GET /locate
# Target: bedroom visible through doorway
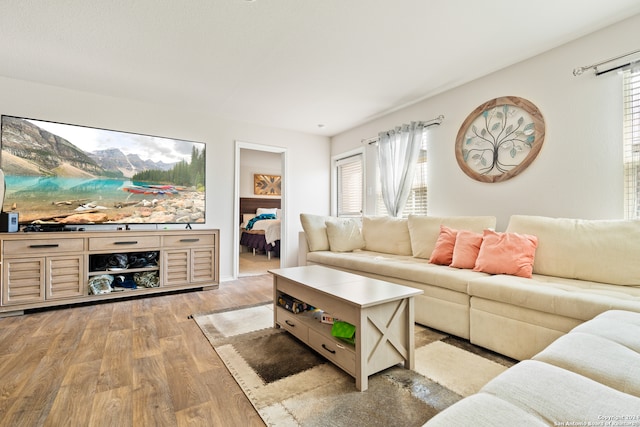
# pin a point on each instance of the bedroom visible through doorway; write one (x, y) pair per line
(259, 201)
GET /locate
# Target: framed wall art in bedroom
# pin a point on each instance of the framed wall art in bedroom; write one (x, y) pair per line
(267, 185)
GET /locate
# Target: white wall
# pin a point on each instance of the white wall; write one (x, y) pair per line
(257, 162)
(579, 171)
(308, 187)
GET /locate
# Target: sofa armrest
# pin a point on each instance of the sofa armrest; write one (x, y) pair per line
(303, 248)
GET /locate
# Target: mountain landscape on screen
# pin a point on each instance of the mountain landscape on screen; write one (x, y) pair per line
(67, 174)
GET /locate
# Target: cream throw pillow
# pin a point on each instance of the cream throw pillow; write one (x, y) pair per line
(387, 235)
(344, 235)
(424, 230)
(315, 231)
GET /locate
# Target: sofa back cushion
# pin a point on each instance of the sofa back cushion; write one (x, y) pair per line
(606, 251)
(387, 235)
(424, 230)
(315, 230)
(344, 234)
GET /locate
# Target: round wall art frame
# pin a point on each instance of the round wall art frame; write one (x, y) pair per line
(500, 139)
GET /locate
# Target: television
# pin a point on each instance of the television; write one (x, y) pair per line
(60, 174)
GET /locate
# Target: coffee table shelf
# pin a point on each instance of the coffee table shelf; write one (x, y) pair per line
(318, 336)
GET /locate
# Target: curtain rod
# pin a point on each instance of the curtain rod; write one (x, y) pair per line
(428, 123)
(579, 70)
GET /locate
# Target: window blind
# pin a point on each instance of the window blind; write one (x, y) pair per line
(350, 186)
(631, 137)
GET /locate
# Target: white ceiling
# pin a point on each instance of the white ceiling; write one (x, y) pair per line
(291, 64)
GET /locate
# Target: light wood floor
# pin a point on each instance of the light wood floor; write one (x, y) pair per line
(141, 362)
(251, 265)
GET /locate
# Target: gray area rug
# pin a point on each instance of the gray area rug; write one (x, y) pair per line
(291, 385)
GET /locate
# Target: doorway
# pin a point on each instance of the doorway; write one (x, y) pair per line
(256, 253)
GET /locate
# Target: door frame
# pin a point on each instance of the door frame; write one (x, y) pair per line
(284, 168)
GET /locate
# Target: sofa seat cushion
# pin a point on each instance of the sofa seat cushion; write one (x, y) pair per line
(577, 299)
(598, 358)
(559, 395)
(483, 409)
(538, 391)
(622, 327)
(398, 266)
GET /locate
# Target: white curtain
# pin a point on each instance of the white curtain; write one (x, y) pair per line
(398, 151)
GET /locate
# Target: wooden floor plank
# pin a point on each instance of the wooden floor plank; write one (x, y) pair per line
(16, 337)
(112, 408)
(92, 343)
(200, 348)
(34, 403)
(145, 337)
(71, 333)
(206, 414)
(152, 405)
(165, 321)
(75, 395)
(52, 323)
(182, 374)
(116, 371)
(141, 306)
(19, 367)
(120, 317)
(229, 399)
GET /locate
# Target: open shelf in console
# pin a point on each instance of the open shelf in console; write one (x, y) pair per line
(117, 263)
(123, 271)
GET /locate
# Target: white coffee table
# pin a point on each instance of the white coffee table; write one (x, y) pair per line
(382, 312)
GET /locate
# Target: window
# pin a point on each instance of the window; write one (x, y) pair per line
(356, 171)
(349, 184)
(417, 200)
(631, 135)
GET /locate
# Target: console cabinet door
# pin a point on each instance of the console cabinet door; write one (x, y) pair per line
(184, 266)
(176, 264)
(65, 277)
(23, 280)
(203, 265)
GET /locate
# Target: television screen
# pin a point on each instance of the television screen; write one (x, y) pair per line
(67, 174)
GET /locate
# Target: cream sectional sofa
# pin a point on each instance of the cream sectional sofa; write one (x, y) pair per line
(581, 268)
(588, 377)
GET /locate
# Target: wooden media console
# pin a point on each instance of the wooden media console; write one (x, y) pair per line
(44, 269)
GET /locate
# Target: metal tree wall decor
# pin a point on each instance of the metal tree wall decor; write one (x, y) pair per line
(499, 139)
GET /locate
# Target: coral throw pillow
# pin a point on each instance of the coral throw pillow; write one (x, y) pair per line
(443, 250)
(507, 253)
(466, 249)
